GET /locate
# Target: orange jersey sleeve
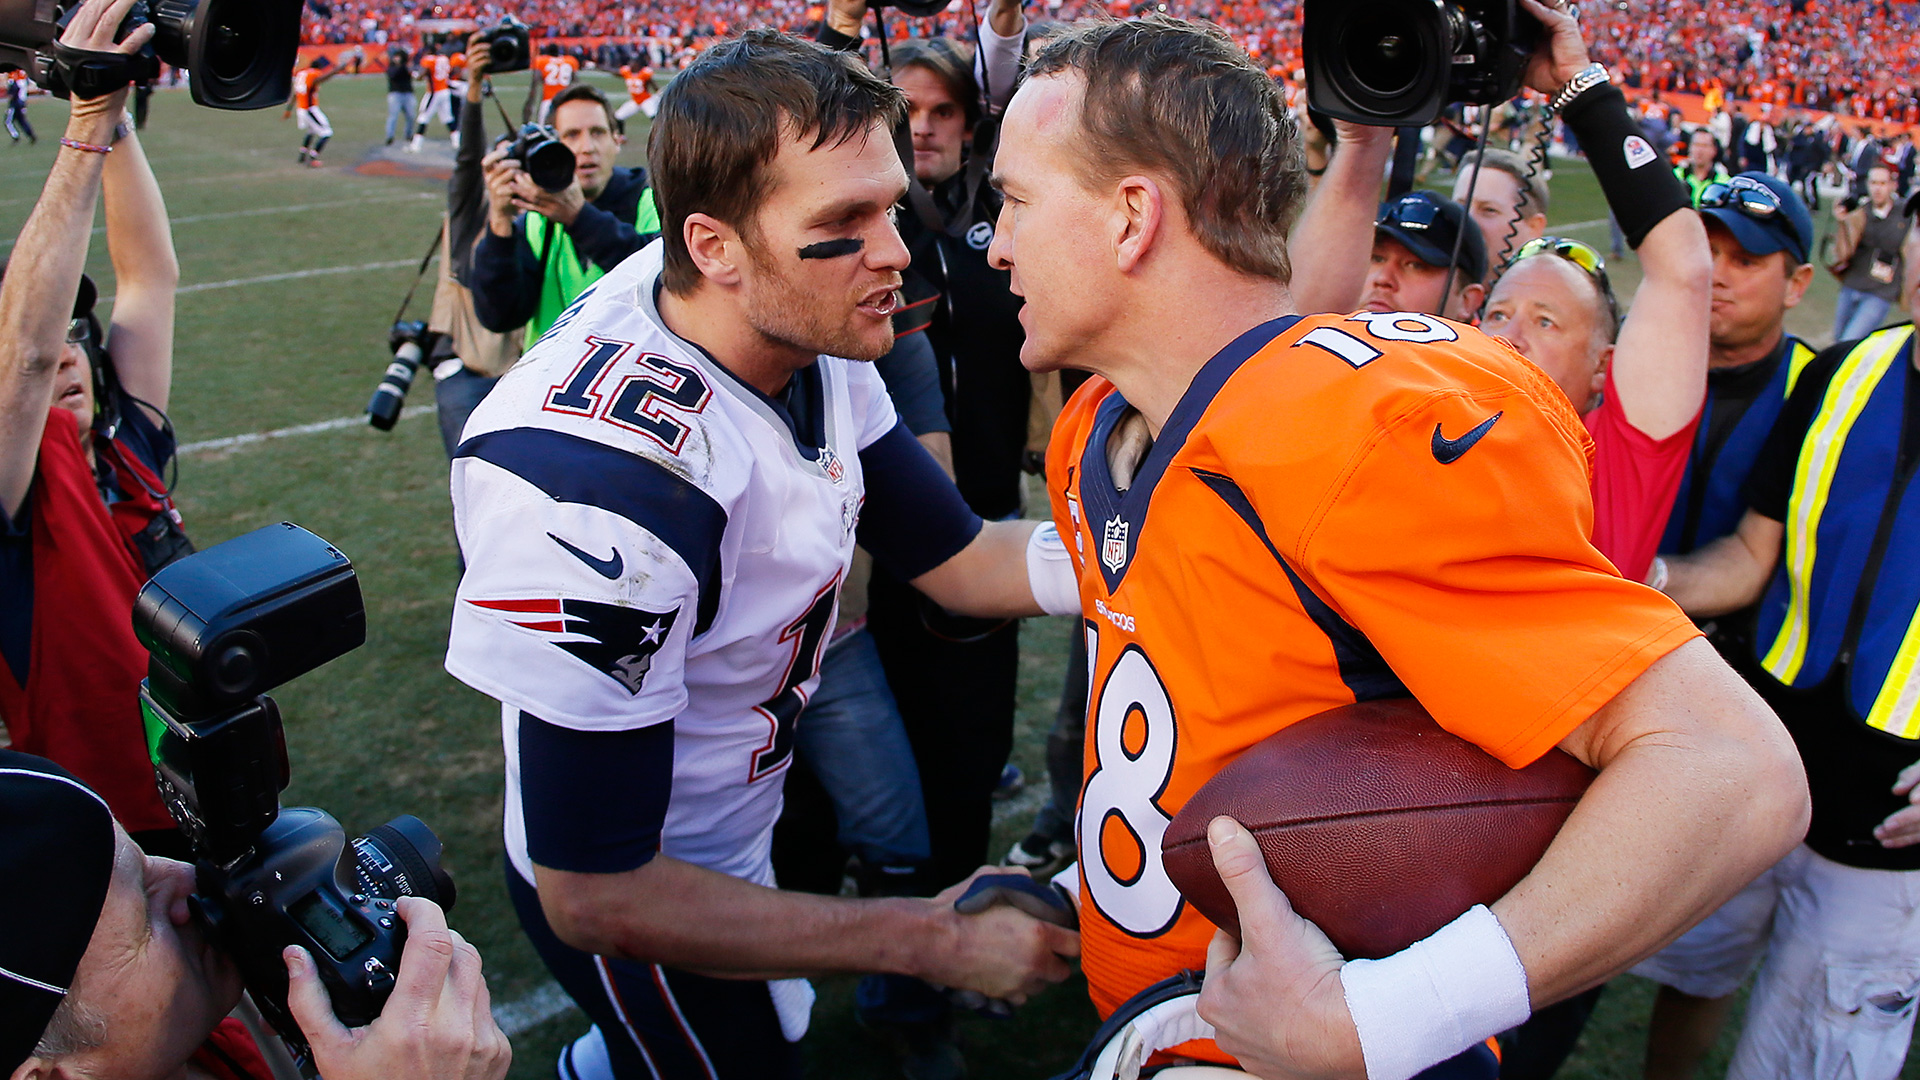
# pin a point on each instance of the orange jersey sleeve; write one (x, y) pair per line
(303, 88)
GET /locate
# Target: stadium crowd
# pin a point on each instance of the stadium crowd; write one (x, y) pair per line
(740, 449)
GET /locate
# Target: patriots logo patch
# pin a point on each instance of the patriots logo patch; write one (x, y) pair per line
(619, 642)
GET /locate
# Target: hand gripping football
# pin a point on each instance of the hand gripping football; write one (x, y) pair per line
(1378, 825)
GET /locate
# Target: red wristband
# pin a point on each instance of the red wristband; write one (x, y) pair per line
(90, 148)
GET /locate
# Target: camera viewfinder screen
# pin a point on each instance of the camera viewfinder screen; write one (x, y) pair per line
(334, 930)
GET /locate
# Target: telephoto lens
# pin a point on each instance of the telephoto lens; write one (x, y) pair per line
(410, 341)
(546, 159)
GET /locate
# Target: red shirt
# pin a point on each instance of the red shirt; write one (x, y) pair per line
(1635, 480)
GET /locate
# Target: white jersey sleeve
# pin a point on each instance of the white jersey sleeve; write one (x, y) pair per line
(589, 569)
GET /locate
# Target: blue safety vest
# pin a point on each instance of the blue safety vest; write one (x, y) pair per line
(1847, 591)
(1721, 498)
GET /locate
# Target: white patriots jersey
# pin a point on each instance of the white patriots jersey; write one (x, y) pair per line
(646, 542)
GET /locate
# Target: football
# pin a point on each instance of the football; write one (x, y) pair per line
(1380, 826)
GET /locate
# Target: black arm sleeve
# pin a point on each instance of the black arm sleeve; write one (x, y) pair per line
(604, 238)
(1770, 484)
(594, 802)
(505, 274)
(912, 376)
(834, 39)
(467, 190)
(1641, 189)
(914, 518)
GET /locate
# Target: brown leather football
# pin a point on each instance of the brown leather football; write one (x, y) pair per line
(1378, 825)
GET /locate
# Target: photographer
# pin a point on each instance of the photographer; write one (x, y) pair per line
(85, 516)
(1867, 243)
(117, 978)
(542, 249)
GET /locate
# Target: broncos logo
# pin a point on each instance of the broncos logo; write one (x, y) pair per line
(619, 642)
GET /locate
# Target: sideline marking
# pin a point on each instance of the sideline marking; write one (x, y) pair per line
(337, 423)
(195, 219)
(290, 275)
(516, 1018)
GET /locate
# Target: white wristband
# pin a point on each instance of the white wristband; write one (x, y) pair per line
(1050, 574)
(1437, 997)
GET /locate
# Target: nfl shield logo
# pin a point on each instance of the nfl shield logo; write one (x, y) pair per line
(830, 464)
(1113, 545)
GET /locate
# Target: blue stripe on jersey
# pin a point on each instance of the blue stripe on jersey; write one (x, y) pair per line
(594, 801)
(914, 519)
(1362, 668)
(576, 470)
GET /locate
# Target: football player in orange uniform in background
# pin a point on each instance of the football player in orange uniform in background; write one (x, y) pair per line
(639, 96)
(437, 68)
(305, 106)
(555, 72)
(1275, 515)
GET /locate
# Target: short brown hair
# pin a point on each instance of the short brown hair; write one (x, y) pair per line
(1533, 185)
(1180, 99)
(722, 119)
(947, 62)
(583, 92)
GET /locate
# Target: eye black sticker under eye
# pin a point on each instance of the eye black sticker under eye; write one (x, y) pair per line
(833, 249)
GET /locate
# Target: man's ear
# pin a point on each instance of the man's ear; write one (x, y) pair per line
(1797, 284)
(1598, 384)
(1139, 206)
(34, 1069)
(1471, 298)
(715, 247)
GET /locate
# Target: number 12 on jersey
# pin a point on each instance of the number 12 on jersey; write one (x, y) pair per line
(1121, 822)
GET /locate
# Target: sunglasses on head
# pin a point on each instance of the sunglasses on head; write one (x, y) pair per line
(1581, 255)
(1750, 197)
(1415, 214)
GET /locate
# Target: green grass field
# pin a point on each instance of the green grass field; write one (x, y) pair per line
(385, 730)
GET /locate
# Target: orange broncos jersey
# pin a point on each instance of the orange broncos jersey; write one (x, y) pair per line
(438, 69)
(306, 88)
(639, 84)
(1340, 508)
(556, 74)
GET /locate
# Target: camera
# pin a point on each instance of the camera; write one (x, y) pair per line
(221, 627)
(1396, 63)
(410, 343)
(509, 46)
(238, 54)
(1850, 203)
(546, 159)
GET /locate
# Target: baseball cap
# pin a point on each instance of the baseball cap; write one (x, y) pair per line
(1428, 226)
(56, 847)
(1763, 213)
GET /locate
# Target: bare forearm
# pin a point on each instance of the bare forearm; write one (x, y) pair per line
(1700, 789)
(1331, 242)
(1007, 18)
(1660, 359)
(743, 931)
(146, 273)
(36, 300)
(1729, 573)
(988, 578)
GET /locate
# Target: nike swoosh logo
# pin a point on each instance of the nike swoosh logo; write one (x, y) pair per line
(608, 568)
(1447, 451)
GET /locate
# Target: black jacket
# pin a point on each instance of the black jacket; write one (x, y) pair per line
(505, 271)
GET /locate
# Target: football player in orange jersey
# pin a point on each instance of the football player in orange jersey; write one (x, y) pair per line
(438, 70)
(306, 104)
(639, 96)
(1275, 515)
(555, 72)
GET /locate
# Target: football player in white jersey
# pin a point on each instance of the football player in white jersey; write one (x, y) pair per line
(656, 506)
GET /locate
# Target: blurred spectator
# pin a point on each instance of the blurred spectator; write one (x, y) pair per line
(85, 515)
(400, 100)
(1702, 166)
(18, 87)
(1509, 201)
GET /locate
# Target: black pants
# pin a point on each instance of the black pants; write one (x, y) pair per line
(954, 681)
(661, 1023)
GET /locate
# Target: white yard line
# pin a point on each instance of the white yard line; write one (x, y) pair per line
(338, 423)
(516, 1018)
(298, 208)
(290, 275)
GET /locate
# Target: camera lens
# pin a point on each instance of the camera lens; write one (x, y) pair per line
(1382, 54)
(550, 164)
(504, 52)
(402, 858)
(233, 40)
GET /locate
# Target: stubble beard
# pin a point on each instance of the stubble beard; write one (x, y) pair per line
(783, 314)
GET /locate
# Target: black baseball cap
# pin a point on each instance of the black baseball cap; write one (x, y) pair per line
(1429, 226)
(1761, 224)
(56, 853)
(83, 299)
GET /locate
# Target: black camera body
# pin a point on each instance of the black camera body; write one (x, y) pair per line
(509, 46)
(546, 159)
(220, 627)
(1397, 63)
(238, 54)
(411, 342)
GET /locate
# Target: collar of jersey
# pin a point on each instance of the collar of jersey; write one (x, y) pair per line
(1108, 508)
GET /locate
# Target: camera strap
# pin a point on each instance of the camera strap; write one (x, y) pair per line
(420, 274)
(986, 140)
(86, 74)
